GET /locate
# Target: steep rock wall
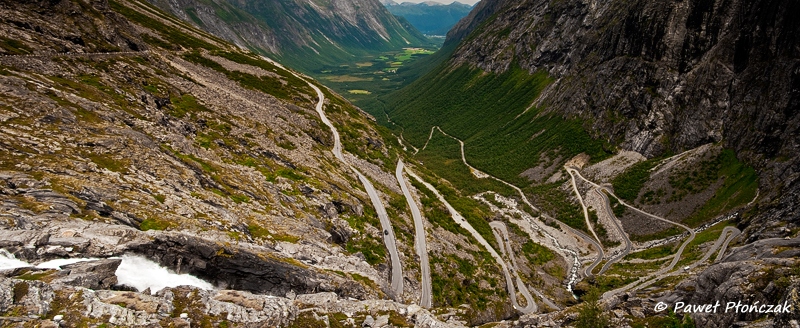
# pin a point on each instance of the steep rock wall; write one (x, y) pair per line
(661, 76)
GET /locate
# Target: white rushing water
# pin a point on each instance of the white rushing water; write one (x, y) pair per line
(141, 273)
(135, 271)
(9, 261)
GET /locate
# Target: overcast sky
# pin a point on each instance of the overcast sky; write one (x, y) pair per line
(469, 2)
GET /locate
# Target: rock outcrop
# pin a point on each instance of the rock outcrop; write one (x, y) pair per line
(245, 269)
(757, 272)
(98, 274)
(661, 76)
(59, 304)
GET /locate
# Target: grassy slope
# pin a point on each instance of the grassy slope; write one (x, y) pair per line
(407, 74)
(739, 185)
(286, 87)
(486, 112)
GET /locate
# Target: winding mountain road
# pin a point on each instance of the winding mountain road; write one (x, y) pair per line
(680, 249)
(685, 243)
(464, 224)
(561, 249)
(505, 247)
(640, 283)
(596, 240)
(583, 207)
(388, 235)
(724, 238)
(600, 254)
(734, 233)
(613, 218)
(420, 244)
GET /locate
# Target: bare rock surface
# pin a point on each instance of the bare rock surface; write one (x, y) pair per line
(134, 309)
(98, 274)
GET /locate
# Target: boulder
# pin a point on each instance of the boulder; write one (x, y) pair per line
(98, 274)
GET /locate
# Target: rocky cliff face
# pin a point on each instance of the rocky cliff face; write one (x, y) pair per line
(757, 272)
(319, 32)
(660, 76)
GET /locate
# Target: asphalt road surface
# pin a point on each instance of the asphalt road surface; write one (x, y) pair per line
(420, 245)
(505, 247)
(613, 218)
(464, 224)
(386, 225)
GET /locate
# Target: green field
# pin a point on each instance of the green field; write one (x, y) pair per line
(364, 77)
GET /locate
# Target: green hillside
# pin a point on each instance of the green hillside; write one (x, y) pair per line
(308, 37)
(329, 49)
(493, 114)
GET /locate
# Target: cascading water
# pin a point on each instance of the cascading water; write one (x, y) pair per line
(135, 271)
(9, 261)
(141, 273)
(58, 263)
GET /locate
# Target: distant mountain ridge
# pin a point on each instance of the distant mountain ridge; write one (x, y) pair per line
(319, 33)
(406, 3)
(431, 18)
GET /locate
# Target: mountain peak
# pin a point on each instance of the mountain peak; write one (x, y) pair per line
(430, 17)
(307, 35)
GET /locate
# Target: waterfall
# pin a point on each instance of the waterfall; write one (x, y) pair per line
(135, 271)
(9, 261)
(142, 273)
